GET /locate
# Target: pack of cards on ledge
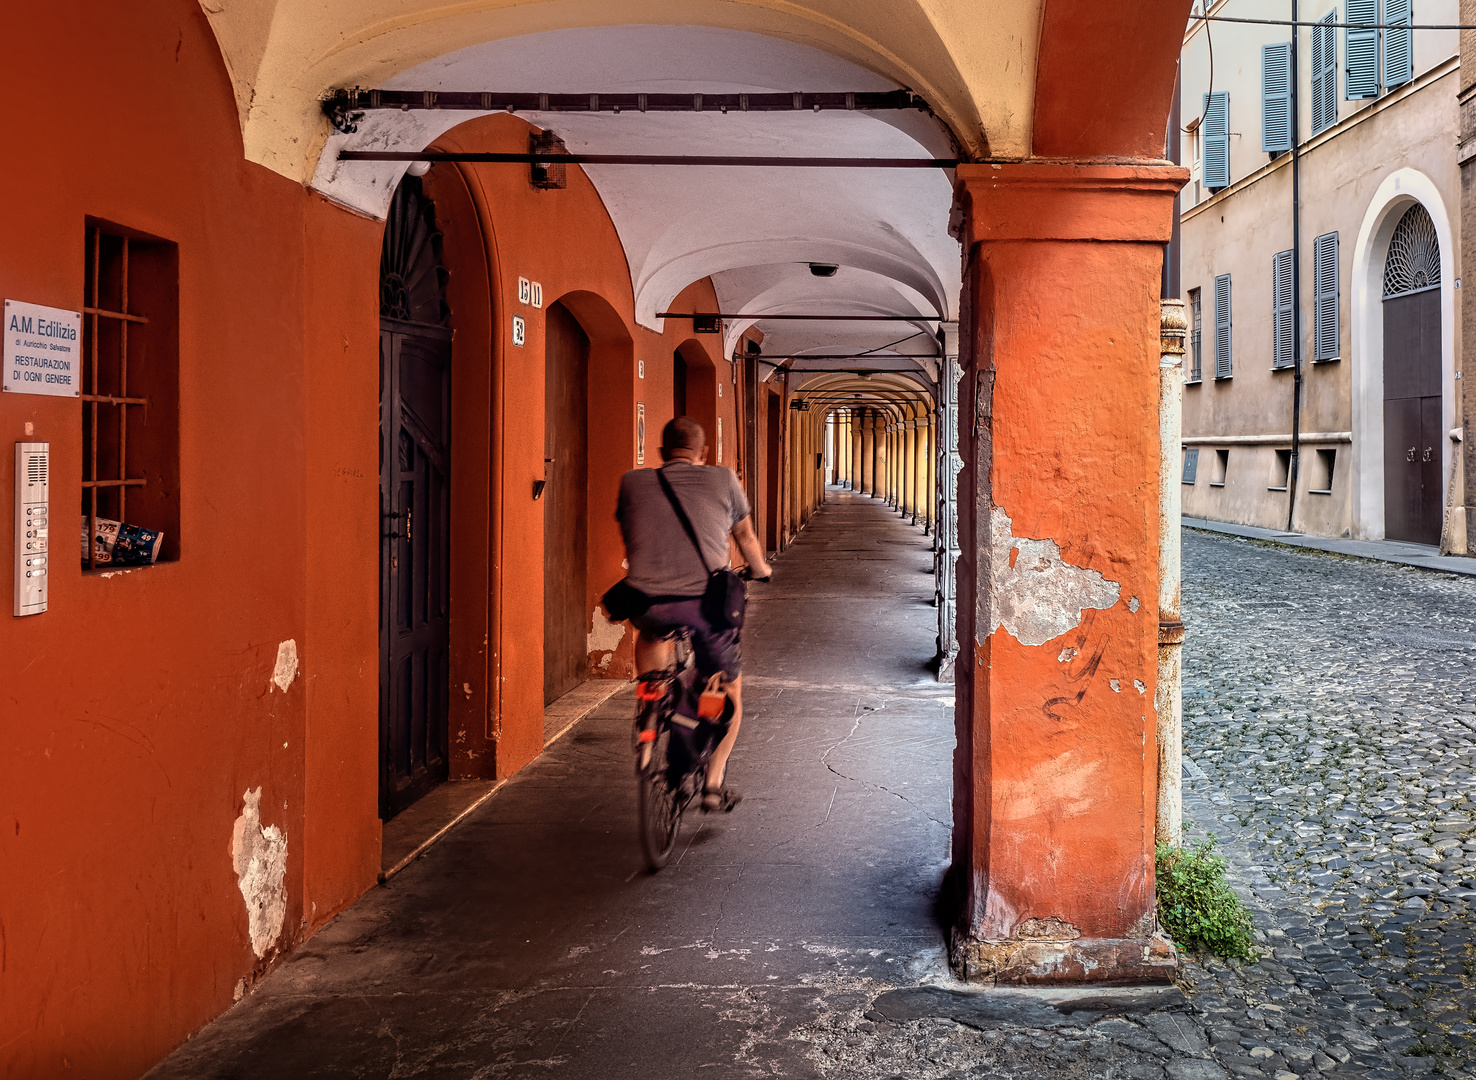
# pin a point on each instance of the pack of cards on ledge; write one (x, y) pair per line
(117, 544)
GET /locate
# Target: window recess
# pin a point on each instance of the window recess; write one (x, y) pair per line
(1196, 339)
(130, 398)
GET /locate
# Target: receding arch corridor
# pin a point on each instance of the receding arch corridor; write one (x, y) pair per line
(530, 942)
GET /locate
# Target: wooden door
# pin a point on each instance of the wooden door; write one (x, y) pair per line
(678, 385)
(565, 504)
(415, 386)
(1413, 506)
(775, 460)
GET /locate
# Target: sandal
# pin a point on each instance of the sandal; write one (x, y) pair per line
(715, 800)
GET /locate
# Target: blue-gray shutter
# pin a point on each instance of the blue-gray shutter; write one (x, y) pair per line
(1283, 331)
(1398, 42)
(1215, 132)
(1223, 369)
(1361, 50)
(1276, 97)
(1325, 282)
(1324, 74)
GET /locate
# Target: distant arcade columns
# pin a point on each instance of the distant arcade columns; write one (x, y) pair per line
(1055, 769)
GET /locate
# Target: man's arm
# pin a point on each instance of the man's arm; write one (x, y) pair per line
(751, 549)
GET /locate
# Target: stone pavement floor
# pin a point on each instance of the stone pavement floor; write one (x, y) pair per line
(1329, 737)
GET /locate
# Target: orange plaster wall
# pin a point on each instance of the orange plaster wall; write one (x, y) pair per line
(136, 711)
(564, 240)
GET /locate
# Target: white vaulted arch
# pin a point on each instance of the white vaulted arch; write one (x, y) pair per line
(1399, 191)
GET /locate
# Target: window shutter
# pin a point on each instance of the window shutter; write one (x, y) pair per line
(1215, 132)
(1222, 327)
(1283, 333)
(1324, 75)
(1398, 43)
(1325, 319)
(1276, 107)
(1361, 50)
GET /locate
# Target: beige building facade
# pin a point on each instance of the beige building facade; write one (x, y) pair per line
(1332, 269)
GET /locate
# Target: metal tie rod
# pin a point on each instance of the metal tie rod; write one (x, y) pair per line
(359, 99)
(802, 318)
(653, 159)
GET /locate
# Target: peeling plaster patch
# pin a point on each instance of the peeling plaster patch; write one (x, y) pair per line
(1116, 685)
(1068, 654)
(1052, 928)
(286, 669)
(1133, 604)
(1139, 687)
(260, 858)
(1035, 594)
(605, 636)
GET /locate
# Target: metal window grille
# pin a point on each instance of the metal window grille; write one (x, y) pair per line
(1283, 329)
(1196, 337)
(106, 402)
(1223, 366)
(1413, 262)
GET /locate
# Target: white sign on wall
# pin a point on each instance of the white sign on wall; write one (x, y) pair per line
(43, 350)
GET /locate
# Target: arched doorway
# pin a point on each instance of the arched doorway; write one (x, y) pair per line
(565, 503)
(1413, 405)
(414, 498)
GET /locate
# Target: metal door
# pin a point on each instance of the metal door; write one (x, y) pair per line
(565, 504)
(415, 591)
(1413, 506)
(414, 502)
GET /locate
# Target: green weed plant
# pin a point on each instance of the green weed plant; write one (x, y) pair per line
(1197, 906)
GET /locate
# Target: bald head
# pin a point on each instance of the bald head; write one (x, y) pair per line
(684, 438)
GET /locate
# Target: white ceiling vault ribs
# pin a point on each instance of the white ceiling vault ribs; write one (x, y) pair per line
(752, 230)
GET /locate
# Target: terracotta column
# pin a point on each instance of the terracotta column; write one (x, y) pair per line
(1055, 768)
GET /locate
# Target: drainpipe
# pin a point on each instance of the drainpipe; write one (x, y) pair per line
(1294, 466)
(1168, 701)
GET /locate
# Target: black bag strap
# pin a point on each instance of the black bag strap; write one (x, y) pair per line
(676, 504)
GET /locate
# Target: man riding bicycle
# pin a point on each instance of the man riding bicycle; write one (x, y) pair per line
(666, 566)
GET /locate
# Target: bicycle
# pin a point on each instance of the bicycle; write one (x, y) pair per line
(671, 750)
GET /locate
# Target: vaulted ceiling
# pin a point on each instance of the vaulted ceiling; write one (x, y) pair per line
(753, 231)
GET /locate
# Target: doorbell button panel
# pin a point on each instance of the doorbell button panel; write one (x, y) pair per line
(32, 526)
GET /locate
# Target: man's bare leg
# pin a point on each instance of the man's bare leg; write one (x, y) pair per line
(652, 654)
(717, 764)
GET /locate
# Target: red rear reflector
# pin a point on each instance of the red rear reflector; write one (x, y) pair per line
(646, 736)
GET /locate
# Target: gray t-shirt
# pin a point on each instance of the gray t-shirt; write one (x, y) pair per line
(662, 559)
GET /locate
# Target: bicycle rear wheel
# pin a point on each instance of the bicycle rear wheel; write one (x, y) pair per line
(659, 810)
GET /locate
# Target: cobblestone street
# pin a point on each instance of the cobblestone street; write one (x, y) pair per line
(1331, 730)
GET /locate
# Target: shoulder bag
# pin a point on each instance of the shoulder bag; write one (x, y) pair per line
(726, 596)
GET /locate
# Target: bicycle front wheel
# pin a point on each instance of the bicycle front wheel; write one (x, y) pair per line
(659, 810)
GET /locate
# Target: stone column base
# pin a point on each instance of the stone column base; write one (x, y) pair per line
(1052, 962)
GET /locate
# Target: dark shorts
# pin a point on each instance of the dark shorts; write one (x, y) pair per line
(716, 650)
